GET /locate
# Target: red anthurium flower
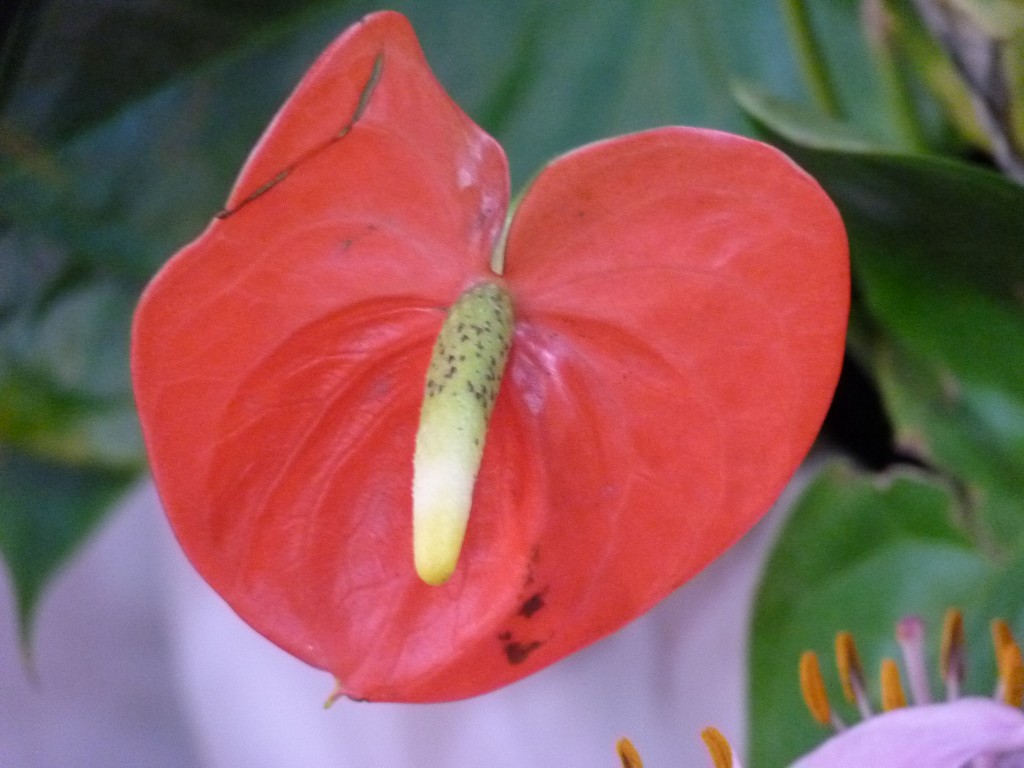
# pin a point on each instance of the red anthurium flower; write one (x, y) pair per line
(671, 306)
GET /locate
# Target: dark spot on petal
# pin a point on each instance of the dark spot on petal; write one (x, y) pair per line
(517, 652)
(533, 604)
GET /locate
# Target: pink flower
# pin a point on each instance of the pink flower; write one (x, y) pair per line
(971, 731)
(959, 732)
(968, 732)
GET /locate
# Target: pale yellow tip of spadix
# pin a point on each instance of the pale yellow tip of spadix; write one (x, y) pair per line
(437, 541)
(442, 494)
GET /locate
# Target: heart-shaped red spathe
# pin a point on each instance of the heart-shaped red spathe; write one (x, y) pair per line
(680, 298)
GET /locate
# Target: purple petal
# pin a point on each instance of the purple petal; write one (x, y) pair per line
(1014, 760)
(944, 735)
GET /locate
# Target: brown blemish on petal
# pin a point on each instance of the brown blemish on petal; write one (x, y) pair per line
(517, 652)
(532, 604)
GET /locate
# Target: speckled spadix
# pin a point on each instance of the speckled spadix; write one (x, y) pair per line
(462, 383)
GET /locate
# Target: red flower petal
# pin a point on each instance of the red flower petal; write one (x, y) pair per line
(680, 299)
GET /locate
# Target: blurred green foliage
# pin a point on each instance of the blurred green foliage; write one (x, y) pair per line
(892, 524)
(121, 131)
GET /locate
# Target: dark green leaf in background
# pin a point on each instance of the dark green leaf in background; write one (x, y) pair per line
(976, 433)
(938, 325)
(47, 509)
(1001, 599)
(936, 253)
(86, 59)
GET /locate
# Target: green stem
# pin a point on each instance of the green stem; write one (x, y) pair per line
(811, 59)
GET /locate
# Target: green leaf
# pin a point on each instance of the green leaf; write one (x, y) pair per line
(935, 249)
(1001, 600)
(19, 21)
(64, 361)
(46, 509)
(926, 234)
(80, 69)
(800, 124)
(858, 553)
(975, 433)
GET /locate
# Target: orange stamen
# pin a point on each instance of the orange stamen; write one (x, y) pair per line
(951, 652)
(893, 696)
(851, 673)
(848, 662)
(718, 747)
(1002, 636)
(812, 686)
(1011, 674)
(628, 755)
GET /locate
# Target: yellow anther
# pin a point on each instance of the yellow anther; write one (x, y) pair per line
(718, 747)
(893, 696)
(628, 755)
(1011, 674)
(848, 662)
(952, 648)
(812, 686)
